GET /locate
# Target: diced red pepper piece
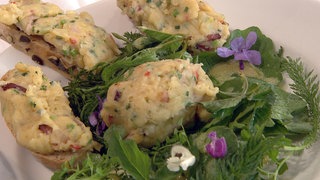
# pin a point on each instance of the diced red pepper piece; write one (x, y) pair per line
(73, 41)
(75, 146)
(147, 73)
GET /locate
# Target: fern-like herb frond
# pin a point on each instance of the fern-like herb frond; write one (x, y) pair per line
(306, 85)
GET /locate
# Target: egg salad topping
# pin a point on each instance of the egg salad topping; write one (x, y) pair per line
(73, 34)
(38, 112)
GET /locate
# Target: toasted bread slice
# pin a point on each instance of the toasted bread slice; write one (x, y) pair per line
(37, 113)
(65, 41)
(54, 161)
(31, 45)
(205, 28)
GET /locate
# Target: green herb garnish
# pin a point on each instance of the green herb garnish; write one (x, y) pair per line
(261, 123)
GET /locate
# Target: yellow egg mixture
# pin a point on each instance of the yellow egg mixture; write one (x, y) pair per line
(38, 112)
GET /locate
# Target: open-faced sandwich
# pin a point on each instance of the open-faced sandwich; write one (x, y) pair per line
(38, 114)
(65, 41)
(205, 28)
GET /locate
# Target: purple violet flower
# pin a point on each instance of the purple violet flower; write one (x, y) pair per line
(239, 47)
(95, 119)
(217, 148)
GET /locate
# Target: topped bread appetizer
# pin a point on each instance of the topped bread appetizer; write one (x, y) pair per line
(37, 112)
(166, 94)
(195, 19)
(65, 41)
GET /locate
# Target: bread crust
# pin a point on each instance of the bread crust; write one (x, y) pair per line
(55, 161)
(39, 50)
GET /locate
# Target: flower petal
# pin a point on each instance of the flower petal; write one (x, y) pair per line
(212, 135)
(173, 164)
(100, 104)
(93, 119)
(217, 148)
(221, 147)
(178, 149)
(187, 162)
(101, 127)
(180, 157)
(173, 168)
(238, 44)
(253, 56)
(224, 52)
(250, 40)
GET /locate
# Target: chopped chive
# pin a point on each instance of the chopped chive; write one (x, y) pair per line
(158, 4)
(59, 37)
(175, 13)
(70, 127)
(33, 104)
(128, 106)
(62, 22)
(25, 73)
(43, 87)
(186, 9)
(53, 117)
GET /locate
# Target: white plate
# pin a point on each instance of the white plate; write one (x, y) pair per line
(293, 24)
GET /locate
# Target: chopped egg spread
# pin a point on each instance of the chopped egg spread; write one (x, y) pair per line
(38, 113)
(206, 28)
(155, 97)
(73, 34)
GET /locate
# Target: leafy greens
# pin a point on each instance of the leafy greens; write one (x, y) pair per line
(263, 124)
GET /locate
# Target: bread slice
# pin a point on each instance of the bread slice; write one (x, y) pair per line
(205, 28)
(55, 161)
(64, 41)
(39, 50)
(44, 122)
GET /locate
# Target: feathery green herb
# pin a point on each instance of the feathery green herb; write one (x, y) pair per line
(305, 85)
(263, 125)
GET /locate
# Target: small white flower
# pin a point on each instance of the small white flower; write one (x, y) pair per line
(180, 157)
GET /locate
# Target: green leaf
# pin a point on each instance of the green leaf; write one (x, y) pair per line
(157, 35)
(305, 85)
(134, 161)
(213, 106)
(285, 104)
(208, 59)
